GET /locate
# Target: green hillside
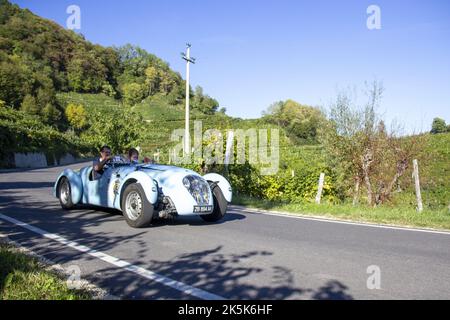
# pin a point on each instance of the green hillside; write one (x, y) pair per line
(39, 59)
(45, 68)
(161, 118)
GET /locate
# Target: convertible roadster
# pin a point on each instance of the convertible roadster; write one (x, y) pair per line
(145, 191)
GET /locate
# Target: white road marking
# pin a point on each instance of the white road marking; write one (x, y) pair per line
(303, 217)
(187, 289)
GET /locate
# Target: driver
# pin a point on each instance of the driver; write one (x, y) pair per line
(101, 164)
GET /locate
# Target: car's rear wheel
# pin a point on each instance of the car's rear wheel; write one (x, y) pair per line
(65, 194)
(220, 205)
(137, 210)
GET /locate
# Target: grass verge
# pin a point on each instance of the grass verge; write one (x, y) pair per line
(400, 216)
(23, 277)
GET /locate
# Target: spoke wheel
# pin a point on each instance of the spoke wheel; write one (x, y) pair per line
(137, 210)
(65, 194)
(133, 206)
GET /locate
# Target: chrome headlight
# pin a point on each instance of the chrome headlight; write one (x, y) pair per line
(198, 188)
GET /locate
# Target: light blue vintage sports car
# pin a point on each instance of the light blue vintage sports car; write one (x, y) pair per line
(145, 191)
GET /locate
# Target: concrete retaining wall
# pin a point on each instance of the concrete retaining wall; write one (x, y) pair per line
(39, 160)
(30, 160)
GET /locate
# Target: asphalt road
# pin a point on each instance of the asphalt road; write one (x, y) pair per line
(249, 255)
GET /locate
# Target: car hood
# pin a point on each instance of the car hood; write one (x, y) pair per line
(159, 168)
(161, 173)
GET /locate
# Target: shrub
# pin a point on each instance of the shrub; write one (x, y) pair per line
(438, 126)
(76, 115)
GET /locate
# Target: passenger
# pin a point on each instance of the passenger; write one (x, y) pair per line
(133, 156)
(101, 164)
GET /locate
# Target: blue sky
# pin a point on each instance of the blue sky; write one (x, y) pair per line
(251, 53)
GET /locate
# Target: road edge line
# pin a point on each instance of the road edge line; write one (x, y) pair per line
(150, 275)
(339, 221)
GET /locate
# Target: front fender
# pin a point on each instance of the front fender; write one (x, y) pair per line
(148, 184)
(76, 185)
(223, 184)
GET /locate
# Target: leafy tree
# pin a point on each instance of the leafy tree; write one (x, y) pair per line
(361, 151)
(204, 103)
(175, 96)
(300, 121)
(120, 128)
(45, 96)
(198, 97)
(152, 80)
(274, 109)
(168, 82)
(14, 81)
(133, 93)
(146, 69)
(77, 116)
(86, 73)
(108, 90)
(51, 114)
(438, 126)
(209, 105)
(29, 105)
(177, 92)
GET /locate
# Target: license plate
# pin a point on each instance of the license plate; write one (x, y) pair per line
(203, 209)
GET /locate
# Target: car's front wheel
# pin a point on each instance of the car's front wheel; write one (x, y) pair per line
(137, 210)
(65, 194)
(220, 205)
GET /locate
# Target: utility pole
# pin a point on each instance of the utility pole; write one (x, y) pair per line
(187, 56)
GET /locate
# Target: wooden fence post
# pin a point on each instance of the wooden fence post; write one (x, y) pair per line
(356, 192)
(319, 191)
(417, 185)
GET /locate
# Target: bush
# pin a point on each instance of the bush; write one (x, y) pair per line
(76, 115)
(133, 93)
(29, 105)
(120, 128)
(438, 126)
(301, 122)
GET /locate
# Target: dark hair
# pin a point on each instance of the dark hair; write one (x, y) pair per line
(102, 149)
(132, 151)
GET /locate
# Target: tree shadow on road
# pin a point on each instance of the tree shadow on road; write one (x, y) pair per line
(24, 185)
(232, 275)
(82, 227)
(226, 275)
